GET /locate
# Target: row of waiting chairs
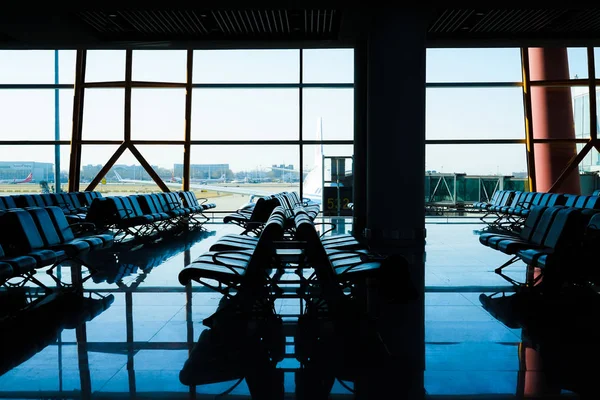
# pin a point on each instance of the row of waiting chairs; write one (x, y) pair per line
(73, 204)
(507, 209)
(37, 237)
(556, 239)
(148, 215)
(245, 267)
(254, 215)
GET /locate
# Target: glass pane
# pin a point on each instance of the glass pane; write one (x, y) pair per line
(27, 66)
(477, 159)
(328, 168)
(103, 114)
(164, 159)
(246, 66)
(474, 65)
(27, 114)
(158, 114)
(581, 111)
(461, 113)
(126, 177)
(66, 66)
(328, 66)
(245, 114)
(159, 65)
(65, 105)
(328, 114)
(597, 61)
(578, 65)
(251, 170)
(105, 66)
(588, 171)
(30, 168)
(93, 157)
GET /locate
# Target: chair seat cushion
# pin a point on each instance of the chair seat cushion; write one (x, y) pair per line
(44, 258)
(6, 271)
(20, 264)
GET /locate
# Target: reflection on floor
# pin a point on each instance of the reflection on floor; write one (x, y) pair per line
(133, 332)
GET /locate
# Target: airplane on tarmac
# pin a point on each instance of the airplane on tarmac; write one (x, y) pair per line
(28, 179)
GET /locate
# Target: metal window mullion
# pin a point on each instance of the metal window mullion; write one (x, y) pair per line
(528, 114)
(592, 90)
(78, 100)
(301, 123)
(188, 122)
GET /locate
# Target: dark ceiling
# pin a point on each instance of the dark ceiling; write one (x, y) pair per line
(286, 27)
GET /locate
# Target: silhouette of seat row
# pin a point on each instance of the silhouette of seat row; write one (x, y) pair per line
(74, 204)
(36, 237)
(546, 230)
(508, 209)
(147, 215)
(253, 216)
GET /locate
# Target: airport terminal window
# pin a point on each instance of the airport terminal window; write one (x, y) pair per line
(474, 65)
(157, 114)
(328, 66)
(244, 114)
(159, 65)
(105, 66)
(103, 114)
(477, 159)
(331, 109)
(246, 66)
(262, 168)
(30, 168)
(475, 113)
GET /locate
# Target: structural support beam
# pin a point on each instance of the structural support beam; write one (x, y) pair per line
(571, 166)
(106, 167)
(530, 147)
(187, 148)
(78, 97)
(148, 168)
(127, 119)
(552, 115)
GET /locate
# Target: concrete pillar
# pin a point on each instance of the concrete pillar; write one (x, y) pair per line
(395, 168)
(552, 114)
(359, 195)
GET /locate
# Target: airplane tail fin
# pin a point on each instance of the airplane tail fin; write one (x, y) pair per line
(118, 176)
(29, 178)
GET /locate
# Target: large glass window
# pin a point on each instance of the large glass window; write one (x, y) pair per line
(159, 65)
(105, 66)
(245, 114)
(103, 114)
(246, 66)
(157, 114)
(474, 65)
(470, 113)
(328, 114)
(229, 175)
(328, 66)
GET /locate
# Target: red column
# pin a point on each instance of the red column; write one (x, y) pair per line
(552, 114)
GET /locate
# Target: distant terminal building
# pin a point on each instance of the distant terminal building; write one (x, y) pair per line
(279, 171)
(11, 170)
(202, 171)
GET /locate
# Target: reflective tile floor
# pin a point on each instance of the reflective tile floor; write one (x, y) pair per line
(132, 334)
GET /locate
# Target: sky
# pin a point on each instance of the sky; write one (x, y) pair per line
(261, 114)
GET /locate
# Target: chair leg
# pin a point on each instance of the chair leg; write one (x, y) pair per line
(506, 264)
